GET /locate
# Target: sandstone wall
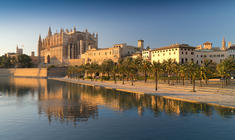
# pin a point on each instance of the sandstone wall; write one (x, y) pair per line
(30, 72)
(34, 72)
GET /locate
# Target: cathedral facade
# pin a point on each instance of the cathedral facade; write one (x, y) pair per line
(62, 47)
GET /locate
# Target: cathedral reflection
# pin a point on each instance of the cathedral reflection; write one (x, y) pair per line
(68, 102)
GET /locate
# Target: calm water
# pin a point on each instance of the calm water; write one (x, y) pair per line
(40, 109)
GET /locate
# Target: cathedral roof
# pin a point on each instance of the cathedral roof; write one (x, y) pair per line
(175, 46)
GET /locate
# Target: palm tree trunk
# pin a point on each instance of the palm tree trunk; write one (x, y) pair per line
(108, 76)
(191, 80)
(132, 80)
(114, 77)
(222, 82)
(183, 80)
(156, 81)
(200, 82)
(168, 78)
(145, 76)
(123, 79)
(194, 85)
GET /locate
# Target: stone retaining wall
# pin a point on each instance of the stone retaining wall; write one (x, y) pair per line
(34, 72)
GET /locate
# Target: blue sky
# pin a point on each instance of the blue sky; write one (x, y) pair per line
(159, 23)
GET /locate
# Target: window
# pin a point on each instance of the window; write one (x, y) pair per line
(186, 53)
(182, 60)
(192, 53)
(182, 52)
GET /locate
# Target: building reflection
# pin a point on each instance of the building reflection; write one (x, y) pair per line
(68, 102)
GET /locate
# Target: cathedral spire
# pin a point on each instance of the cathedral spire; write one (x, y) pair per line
(49, 31)
(39, 48)
(223, 44)
(40, 39)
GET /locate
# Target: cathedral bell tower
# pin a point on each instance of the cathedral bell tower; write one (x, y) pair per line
(223, 45)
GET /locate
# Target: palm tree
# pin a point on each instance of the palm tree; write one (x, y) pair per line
(133, 70)
(169, 63)
(225, 69)
(183, 72)
(107, 66)
(128, 63)
(207, 70)
(194, 70)
(115, 69)
(122, 69)
(145, 68)
(156, 67)
(87, 69)
(175, 69)
(82, 70)
(94, 68)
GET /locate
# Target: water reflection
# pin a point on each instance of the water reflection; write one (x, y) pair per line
(68, 102)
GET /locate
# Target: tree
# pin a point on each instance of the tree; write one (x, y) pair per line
(194, 70)
(115, 69)
(145, 68)
(168, 65)
(82, 70)
(122, 69)
(207, 70)
(225, 69)
(24, 61)
(107, 66)
(183, 71)
(156, 67)
(93, 70)
(133, 70)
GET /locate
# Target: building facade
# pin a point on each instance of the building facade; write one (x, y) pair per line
(114, 53)
(183, 53)
(60, 48)
(180, 53)
(146, 54)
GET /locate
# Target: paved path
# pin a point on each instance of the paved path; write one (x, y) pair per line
(211, 95)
